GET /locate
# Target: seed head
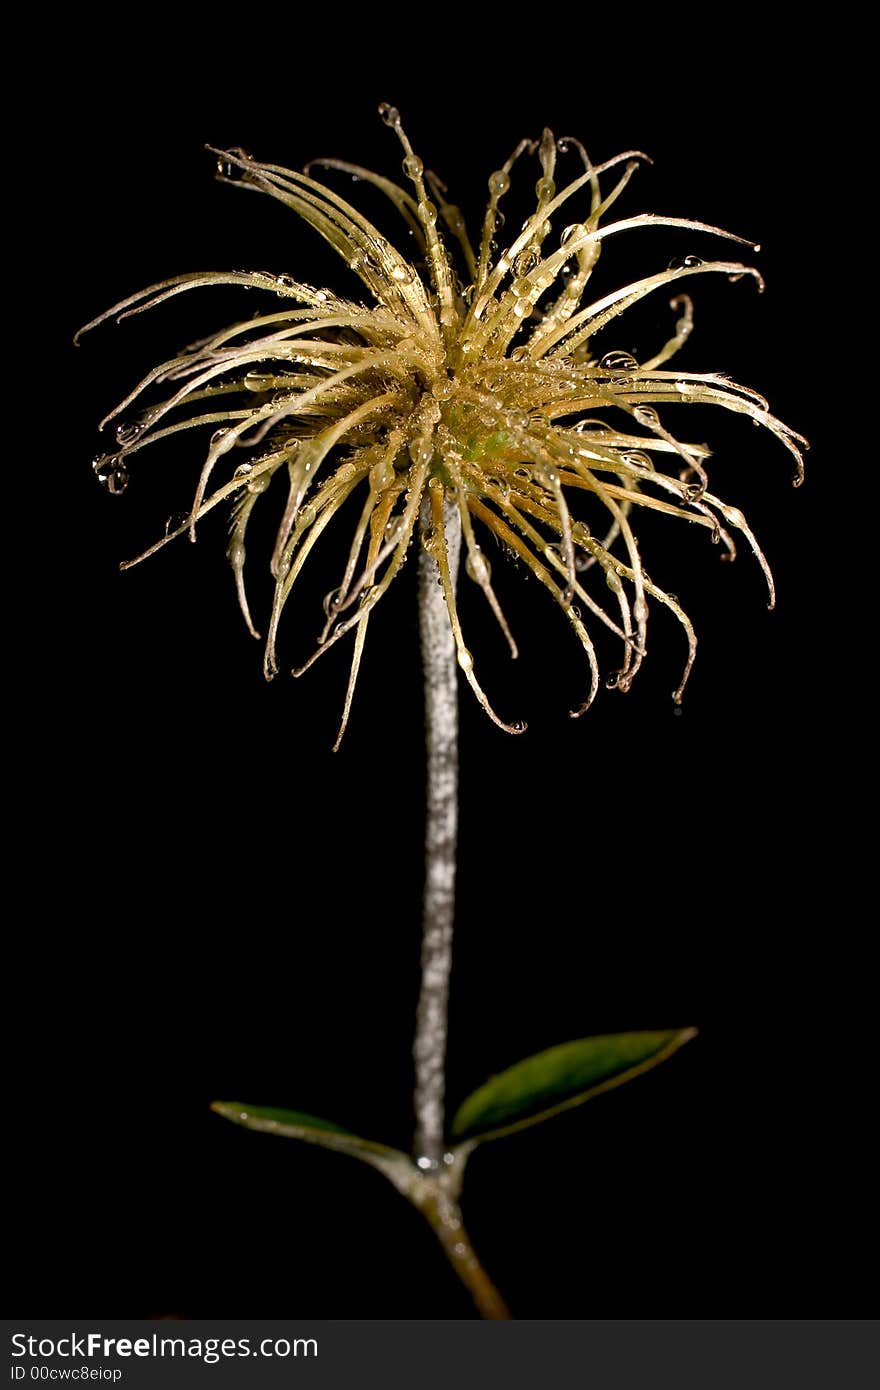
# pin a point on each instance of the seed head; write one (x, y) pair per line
(478, 377)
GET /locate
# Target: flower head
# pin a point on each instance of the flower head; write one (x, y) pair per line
(479, 378)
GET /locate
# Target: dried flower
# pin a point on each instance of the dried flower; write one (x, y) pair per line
(491, 387)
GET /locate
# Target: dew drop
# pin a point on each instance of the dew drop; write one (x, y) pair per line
(612, 680)
(646, 415)
(285, 282)
(685, 262)
(382, 475)
(421, 451)
(111, 472)
(401, 274)
(478, 567)
(526, 261)
(235, 553)
(127, 431)
(465, 660)
(332, 602)
(428, 212)
(567, 233)
(390, 114)
(217, 436)
(637, 459)
(259, 483)
(619, 362)
(228, 170)
(257, 381)
(499, 182)
(545, 189)
(412, 166)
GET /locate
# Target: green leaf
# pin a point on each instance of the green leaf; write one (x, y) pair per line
(294, 1124)
(561, 1077)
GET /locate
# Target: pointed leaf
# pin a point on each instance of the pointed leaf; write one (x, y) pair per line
(561, 1077)
(294, 1124)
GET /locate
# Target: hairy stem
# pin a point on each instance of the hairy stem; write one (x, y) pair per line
(441, 830)
(435, 1189)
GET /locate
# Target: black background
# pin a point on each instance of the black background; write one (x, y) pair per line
(212, 904)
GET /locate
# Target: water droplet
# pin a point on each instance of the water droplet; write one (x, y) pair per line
(499, 182)
(259, 483)
(685, 262)
(127, 431)
(545, 189)
(425, 1163)
(428, 212)
(390, 114)
(243, 470)
(285, 282)
(217, 436)
(332, 602)
(637, 459)
(612, 680)
(382, 475)
(229, 170)
(522, 308)
(465, 660)
(478, 567)
(412, 166)
(421, 451)
(235, 553)
(258, 381)
(567, 233)
(646, 415)
(694, 491)
(111, 472)
(526, 261)
(402, 274)
(455, 218)
(619, 362)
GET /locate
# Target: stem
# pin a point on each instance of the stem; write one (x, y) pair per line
(441, 832)
(444, 1217)
(434, 1188)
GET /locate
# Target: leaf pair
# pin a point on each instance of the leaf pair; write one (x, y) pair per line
(525, 1094)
